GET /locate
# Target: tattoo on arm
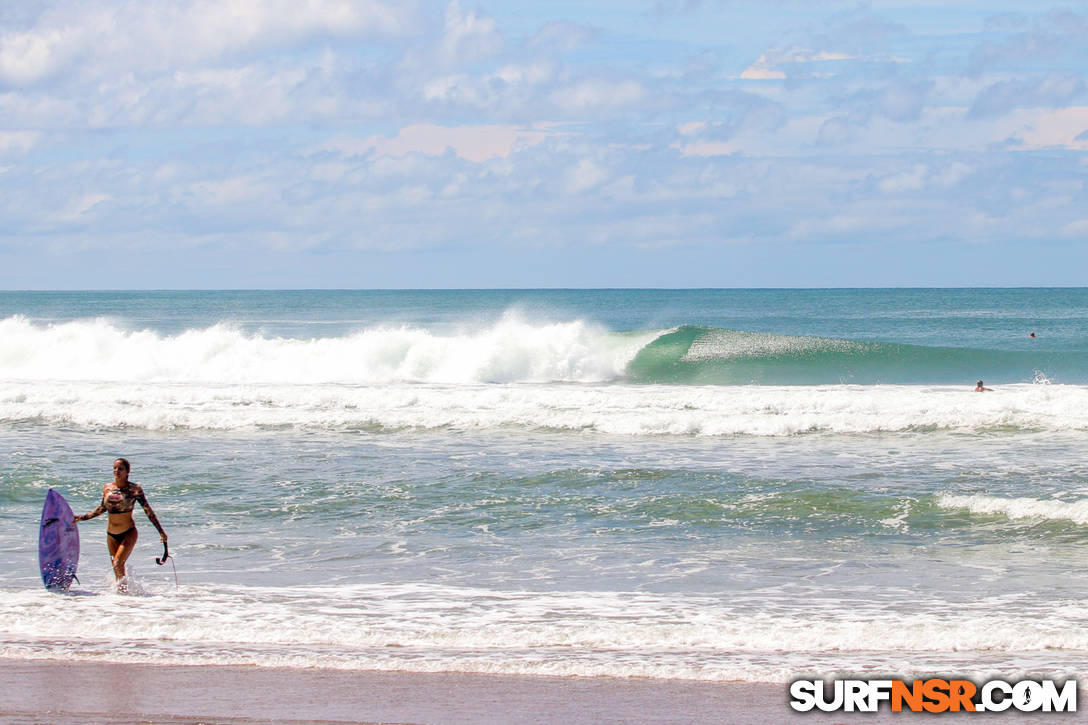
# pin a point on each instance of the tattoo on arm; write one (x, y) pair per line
(142, 499)
(97, 512)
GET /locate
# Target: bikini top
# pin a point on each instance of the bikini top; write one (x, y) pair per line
(123, 500)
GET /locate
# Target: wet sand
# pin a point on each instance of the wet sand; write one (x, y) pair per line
(37, 691)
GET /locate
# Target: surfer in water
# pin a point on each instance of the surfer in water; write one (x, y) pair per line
(980, 388)
(119, 498)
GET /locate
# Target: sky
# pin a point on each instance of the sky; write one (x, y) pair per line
(232, 144)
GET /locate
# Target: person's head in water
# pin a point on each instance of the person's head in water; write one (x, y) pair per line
(121, 468)
(979, 387)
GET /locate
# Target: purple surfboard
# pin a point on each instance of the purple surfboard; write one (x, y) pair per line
(58, 543)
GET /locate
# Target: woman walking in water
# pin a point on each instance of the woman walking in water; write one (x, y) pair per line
(119, 498)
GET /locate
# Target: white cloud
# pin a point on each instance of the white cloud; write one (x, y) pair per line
(594, 94)
(17, 143)
(84, 203)
(563, 37)
(130, 120)
(767, 65)
(249, 94)
(459, 88)
(1050, 91)
(525, 74)
(837, 132)
(229, 191)
(762, 70)
(468, 36)
(508, 87)
(952, 174)
(100, 38)
(912, 180)
(330, 172)
(1024, 129)
(691, 128)
(584, 176)
(709, 148)
(945, 128)
(28, 56)
(1046, 129)
(844, 226)
(1077, 229)
(474, 143)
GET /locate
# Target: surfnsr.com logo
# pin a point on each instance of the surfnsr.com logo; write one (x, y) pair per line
(933, 695)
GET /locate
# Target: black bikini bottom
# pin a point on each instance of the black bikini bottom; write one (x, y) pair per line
(120, 538)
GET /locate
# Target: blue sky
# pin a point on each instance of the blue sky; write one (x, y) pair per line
(668, 143)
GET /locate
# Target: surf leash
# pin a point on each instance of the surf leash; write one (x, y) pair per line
(162, 561)
(165, 555)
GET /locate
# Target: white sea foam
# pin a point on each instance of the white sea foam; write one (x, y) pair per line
(511, 350)
(561, 376)
(608, 408)
(1019, 508)
(432, 627)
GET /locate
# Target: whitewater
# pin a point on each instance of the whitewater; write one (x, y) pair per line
(564, 376)
(698, 484)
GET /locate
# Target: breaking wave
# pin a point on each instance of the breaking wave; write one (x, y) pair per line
(515, 373)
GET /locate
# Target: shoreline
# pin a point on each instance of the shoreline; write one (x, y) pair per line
(63, 692)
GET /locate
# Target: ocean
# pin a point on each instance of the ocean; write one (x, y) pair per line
(723, 485)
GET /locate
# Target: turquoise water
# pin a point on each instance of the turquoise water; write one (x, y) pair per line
(710, 484)
(739, 336)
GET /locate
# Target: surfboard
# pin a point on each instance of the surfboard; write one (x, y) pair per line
(58, 543)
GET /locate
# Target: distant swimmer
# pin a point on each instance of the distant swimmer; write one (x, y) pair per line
(1032, 335)
(980, 388)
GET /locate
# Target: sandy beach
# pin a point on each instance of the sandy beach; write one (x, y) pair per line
(89, 692)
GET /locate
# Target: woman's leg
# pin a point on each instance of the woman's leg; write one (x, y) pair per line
(120, 551)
